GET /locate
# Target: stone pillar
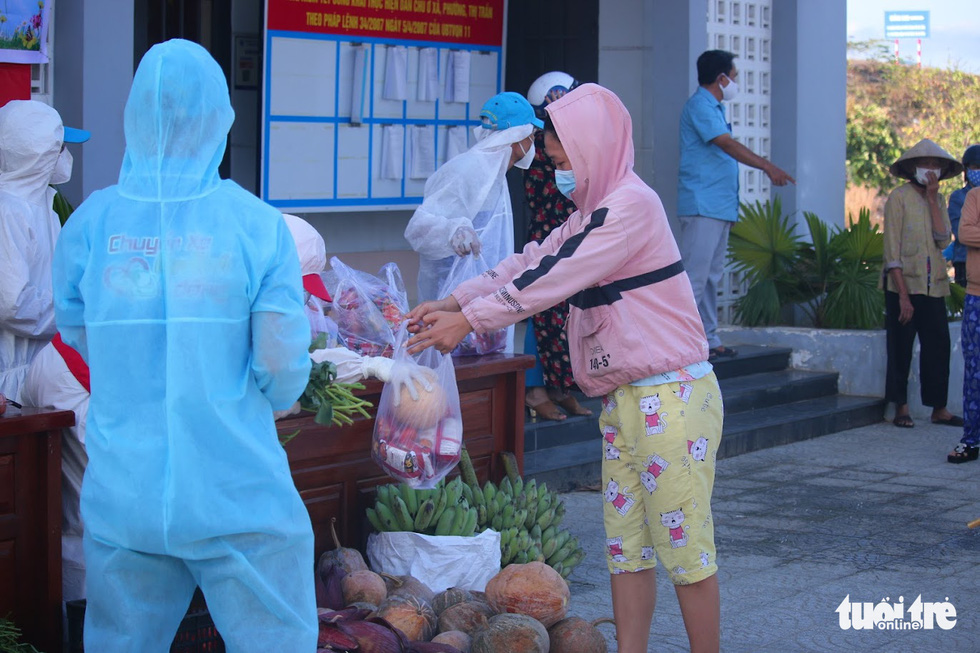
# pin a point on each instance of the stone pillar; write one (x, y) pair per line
(93, 57)
(809, 105)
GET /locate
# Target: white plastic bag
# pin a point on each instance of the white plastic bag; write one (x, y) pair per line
(419, 440)
(439, 561)
(368, 310)
(474, 344)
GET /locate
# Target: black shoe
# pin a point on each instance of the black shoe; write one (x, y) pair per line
(963, 453)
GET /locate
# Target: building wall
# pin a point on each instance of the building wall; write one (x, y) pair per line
(647, 54)
(94, 73)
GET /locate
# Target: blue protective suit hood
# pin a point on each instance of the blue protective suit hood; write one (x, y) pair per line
(176, 123)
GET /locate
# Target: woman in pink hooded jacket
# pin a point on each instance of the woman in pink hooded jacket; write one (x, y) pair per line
(635, 339)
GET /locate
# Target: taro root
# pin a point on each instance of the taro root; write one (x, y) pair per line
(450, 597)
(576, 635)
(365, 586)
(456, 638)
(431, 647)
(409, 614)
(534, 589)
(467, 617)
(347, 559)
(408, 586)
(513, 633)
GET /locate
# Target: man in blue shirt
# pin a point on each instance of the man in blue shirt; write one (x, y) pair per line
(707, 189)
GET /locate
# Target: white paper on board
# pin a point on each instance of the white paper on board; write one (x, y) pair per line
(359, 83)
(396, 73)
(428, 75)
(458, 77)
(392, 151)
(456, 140)
(422, 149)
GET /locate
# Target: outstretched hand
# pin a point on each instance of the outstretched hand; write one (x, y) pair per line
(414, 316)
(440, 329)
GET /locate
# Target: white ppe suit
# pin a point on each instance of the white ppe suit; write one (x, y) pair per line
(31, 139)
(469, 190)
(183, 294)
(50, 383)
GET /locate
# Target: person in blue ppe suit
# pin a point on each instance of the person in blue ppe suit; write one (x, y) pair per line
(33, 155)
(182, 291)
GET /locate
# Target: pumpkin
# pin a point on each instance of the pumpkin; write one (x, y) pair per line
(456, 638)
(513, 633)
(408, 586)
(533, 589)
(426, 411)
(468, 617)
(363, 586)
(450, 597)
(347, 559)
(576, 635)
(410, 615)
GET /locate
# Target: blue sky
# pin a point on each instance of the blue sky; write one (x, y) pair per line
(954, 29)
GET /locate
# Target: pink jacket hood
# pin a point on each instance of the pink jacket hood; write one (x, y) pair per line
(597, 133)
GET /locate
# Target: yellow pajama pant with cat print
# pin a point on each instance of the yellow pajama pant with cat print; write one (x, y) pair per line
(658, 468)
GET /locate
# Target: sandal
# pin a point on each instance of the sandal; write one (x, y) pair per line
(546, 410)
(903, 421)
(721, 352)
(573, 407)
(963, 453)
(952, 420)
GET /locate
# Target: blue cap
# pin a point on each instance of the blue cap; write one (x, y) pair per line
(73, 135)
(508, 109)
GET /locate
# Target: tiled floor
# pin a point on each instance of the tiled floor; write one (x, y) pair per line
(869, 513)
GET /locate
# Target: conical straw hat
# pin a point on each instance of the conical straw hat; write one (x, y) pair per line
(905, 165)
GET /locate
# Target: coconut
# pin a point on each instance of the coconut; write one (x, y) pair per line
(426, 411)
(347, 559)
(514, 633)
(363, 585)
(467, 617)
(534, 589)
(410, 615)
(456, 638)
(576, 635)
(408, 586)
(449, 597)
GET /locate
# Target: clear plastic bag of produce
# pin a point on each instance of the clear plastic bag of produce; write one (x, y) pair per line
(418, 440)
(368, 310)
(475, 344)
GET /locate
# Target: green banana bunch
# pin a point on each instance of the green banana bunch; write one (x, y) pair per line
(443, 510)
(526, 513)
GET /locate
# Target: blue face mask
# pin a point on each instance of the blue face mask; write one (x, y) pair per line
(972, 176)
(565, 180)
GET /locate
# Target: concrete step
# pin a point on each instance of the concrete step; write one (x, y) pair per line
(765, 389)
(741, 393)
(796, 421)
(578, 463)
(752, 359)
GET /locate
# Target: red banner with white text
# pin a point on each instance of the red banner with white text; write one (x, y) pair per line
(473, 22)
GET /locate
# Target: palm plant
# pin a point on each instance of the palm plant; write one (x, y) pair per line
(833, 278)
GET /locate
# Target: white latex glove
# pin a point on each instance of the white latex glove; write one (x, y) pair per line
(404, 374)
(292, 410)
(465, 241)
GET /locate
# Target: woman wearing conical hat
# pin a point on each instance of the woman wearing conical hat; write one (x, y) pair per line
(916, 282)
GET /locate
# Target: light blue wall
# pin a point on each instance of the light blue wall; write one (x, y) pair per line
(809, 105)
(93, 54)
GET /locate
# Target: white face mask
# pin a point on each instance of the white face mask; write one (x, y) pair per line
(729, 92)
(920, 175)
(62, 168)
(525, 161)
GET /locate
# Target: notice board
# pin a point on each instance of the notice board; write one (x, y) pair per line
(364, 99)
